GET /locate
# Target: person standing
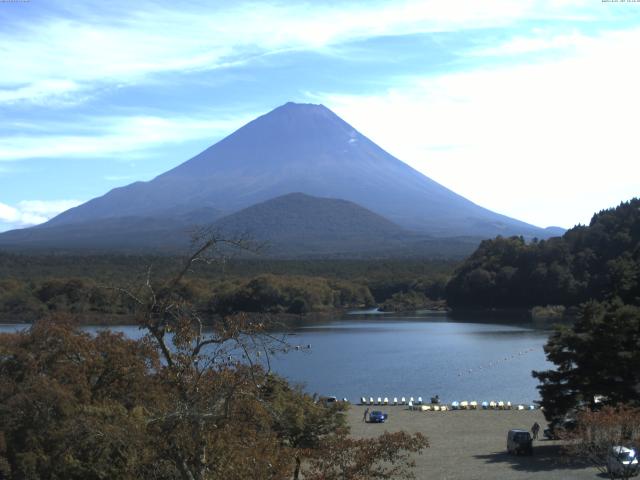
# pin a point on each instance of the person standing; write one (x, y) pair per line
(366, 414)
(534, 430)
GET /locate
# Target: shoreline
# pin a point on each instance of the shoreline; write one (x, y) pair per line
(494, 315)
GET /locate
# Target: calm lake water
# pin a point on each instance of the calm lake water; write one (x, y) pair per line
(411, 355)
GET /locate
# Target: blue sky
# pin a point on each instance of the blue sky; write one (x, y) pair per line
(528, 108)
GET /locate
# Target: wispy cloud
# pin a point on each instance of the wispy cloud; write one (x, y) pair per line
(518, 138)
(540, 42)
(104, 137)
(123, 43)
(33, 212)
(44, 93)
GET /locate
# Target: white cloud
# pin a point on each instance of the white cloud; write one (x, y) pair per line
(122, 43)
(8, 213)
(543, 42)
(33, 212)
(108, 136)
(549, 143)
(47, 207)
(45, 93)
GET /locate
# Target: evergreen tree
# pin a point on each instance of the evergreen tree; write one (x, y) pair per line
(598, 356)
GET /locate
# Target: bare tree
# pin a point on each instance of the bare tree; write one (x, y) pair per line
(215, 375)
(208, 364)
(388, 456)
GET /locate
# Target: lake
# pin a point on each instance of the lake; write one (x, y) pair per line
(415, 355)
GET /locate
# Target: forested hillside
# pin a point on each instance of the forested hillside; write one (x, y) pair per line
(600, 261)
(90, 286)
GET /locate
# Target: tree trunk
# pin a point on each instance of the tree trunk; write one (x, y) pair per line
(296, 472)
(184, 470)
(202, 452)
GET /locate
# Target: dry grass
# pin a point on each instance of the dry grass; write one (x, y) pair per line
(472, 444)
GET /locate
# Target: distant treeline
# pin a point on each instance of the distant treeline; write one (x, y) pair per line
(94, 286)
(600, 261)
(119, 267)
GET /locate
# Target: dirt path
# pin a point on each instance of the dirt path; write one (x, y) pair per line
(472, 444)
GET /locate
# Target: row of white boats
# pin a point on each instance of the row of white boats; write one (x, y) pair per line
(418, 404)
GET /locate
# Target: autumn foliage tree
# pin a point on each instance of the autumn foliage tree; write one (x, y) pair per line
(384, 457)
(74, 405)
(193, 399)
(597, 432)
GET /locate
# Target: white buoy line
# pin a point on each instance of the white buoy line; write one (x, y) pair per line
(496, 363)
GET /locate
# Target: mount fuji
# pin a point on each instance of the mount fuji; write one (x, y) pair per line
(295, 148)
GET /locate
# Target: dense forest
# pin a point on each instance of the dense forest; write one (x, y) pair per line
(90, 287)
(600, 261)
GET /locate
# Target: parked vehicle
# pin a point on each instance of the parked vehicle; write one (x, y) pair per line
(377, 417)
(519, 441)
(622, 462)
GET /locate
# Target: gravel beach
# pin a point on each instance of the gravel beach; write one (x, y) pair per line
(471, 444)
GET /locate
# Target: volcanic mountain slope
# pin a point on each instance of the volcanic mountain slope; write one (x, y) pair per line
(298, 215)
(291, 226)
(301, 148)
(298, 224)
